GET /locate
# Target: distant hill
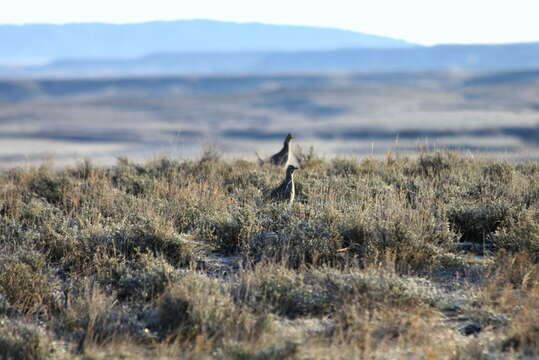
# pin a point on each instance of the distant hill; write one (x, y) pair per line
(214, 47)
(443, 57)
(36, 42)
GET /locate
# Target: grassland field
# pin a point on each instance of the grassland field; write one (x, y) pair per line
(426, 256)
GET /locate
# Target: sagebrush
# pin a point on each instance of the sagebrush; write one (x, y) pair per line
(428, 256)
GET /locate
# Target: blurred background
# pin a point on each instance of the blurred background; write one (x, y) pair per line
(104, 80)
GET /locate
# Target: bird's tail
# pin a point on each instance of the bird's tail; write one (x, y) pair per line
(260, 160)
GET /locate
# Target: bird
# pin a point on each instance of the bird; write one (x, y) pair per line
(286, 190)
(282, 158)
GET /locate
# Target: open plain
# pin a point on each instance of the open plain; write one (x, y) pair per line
(339, 114)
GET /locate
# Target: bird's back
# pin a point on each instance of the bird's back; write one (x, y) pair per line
(284, 192)
(282, 158)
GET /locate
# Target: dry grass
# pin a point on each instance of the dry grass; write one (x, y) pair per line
(427, 257)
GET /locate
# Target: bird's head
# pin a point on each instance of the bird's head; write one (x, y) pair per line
(290, 169)
(288, 138)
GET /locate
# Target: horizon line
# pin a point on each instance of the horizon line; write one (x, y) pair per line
(137, 22)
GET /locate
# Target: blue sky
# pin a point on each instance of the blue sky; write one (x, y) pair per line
(421, 21)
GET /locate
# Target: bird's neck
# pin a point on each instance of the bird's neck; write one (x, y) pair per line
(285, 146)
(289, 177)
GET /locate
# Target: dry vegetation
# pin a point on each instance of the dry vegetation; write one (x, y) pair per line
(433, 256)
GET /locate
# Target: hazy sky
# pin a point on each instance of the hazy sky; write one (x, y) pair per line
(421, 21)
